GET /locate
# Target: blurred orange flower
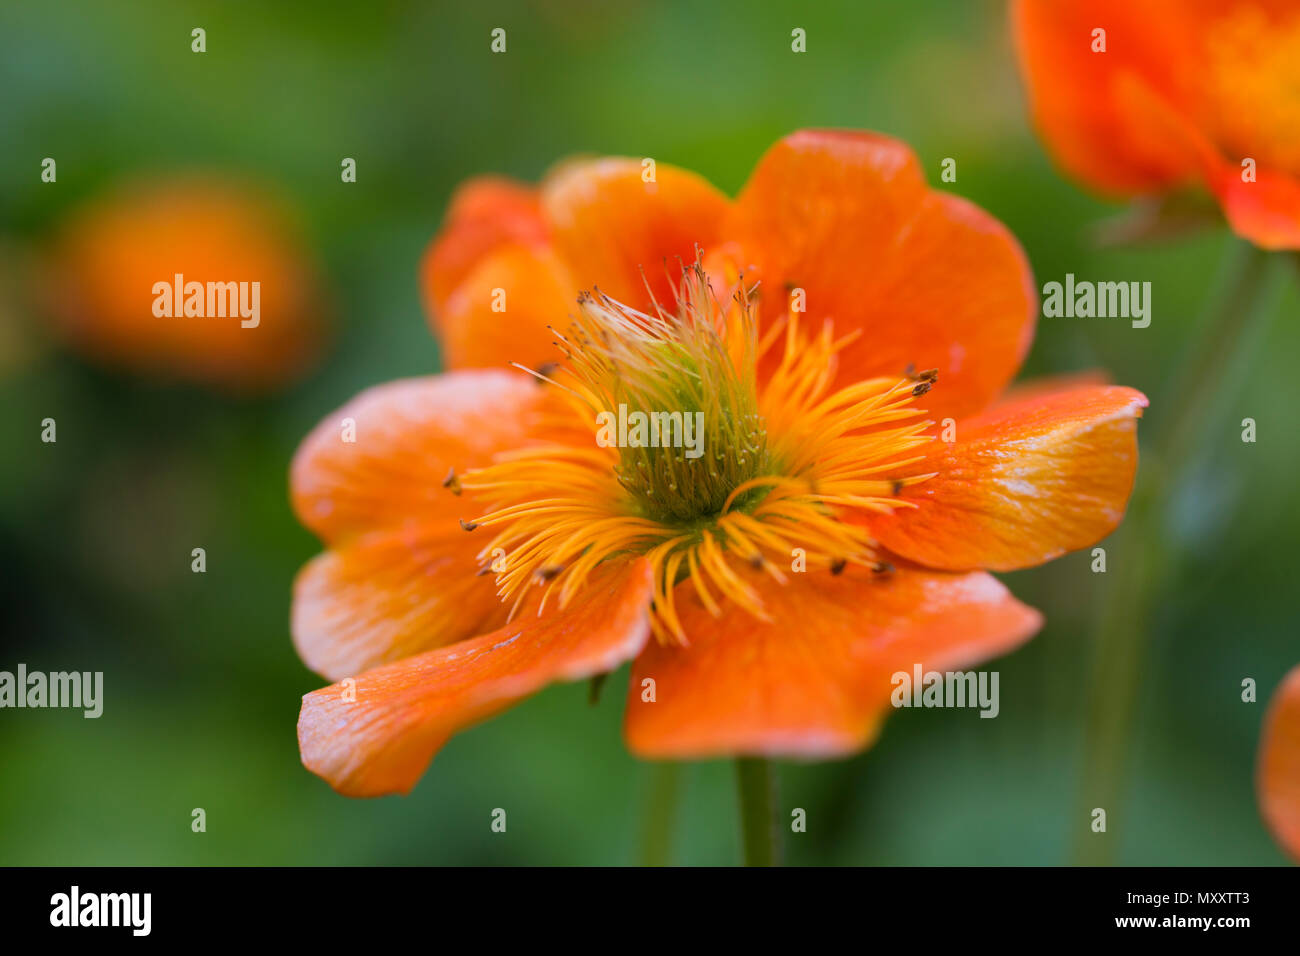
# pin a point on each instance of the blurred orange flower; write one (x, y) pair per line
(197, 279)
(1142, 98)
(827, 521)
(1279, 765)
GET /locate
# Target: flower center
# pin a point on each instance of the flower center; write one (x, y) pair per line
(673, 449)
(676, 399)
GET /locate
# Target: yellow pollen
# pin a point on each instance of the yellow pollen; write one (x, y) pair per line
(780, 468)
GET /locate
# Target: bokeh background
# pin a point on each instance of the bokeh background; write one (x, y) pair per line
(202, 685)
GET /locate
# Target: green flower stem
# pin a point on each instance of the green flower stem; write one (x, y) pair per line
(661, 814)
(1209, 368)
(759, 829)
(1143, 548)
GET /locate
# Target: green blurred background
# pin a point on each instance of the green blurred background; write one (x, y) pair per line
(202, 685)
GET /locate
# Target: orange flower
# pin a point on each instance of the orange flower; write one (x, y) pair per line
(213, 233)
(812, 533)
(1279, 765)
(1184, 92)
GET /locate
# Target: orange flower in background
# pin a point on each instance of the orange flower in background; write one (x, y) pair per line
(824, 517)
(1184, 92)
(1279, 765)
(111, 256)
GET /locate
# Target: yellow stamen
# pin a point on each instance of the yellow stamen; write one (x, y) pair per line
(781, 465)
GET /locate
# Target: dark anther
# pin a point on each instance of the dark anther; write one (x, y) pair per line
(883, 567)
(467, 525)
(838, 565)
(898, 487)
(548, 573)
(929, 375)
(922, 388)
(452, 482)
(547, 369)
(756, 561)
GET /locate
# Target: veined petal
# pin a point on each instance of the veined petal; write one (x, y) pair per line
(381, 741)
(1279, 765)
(407, 436)
(484, 214)
(500, 313)
(815, 679)
(391, 594)
(617, 232)
(1023, 483)
(927, 278)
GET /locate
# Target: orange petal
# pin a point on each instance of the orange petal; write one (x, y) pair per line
(1185, 90)
(408, 435)
(1080, 100)
(1267, 211)
(609, 225)
(1278, 779)
(389, 595)
(1253, 57)
(1023, 483)
(1045, 385)
(501, 312)
(928, 279)
(381, 742)
(485, 213)
(815, 679)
